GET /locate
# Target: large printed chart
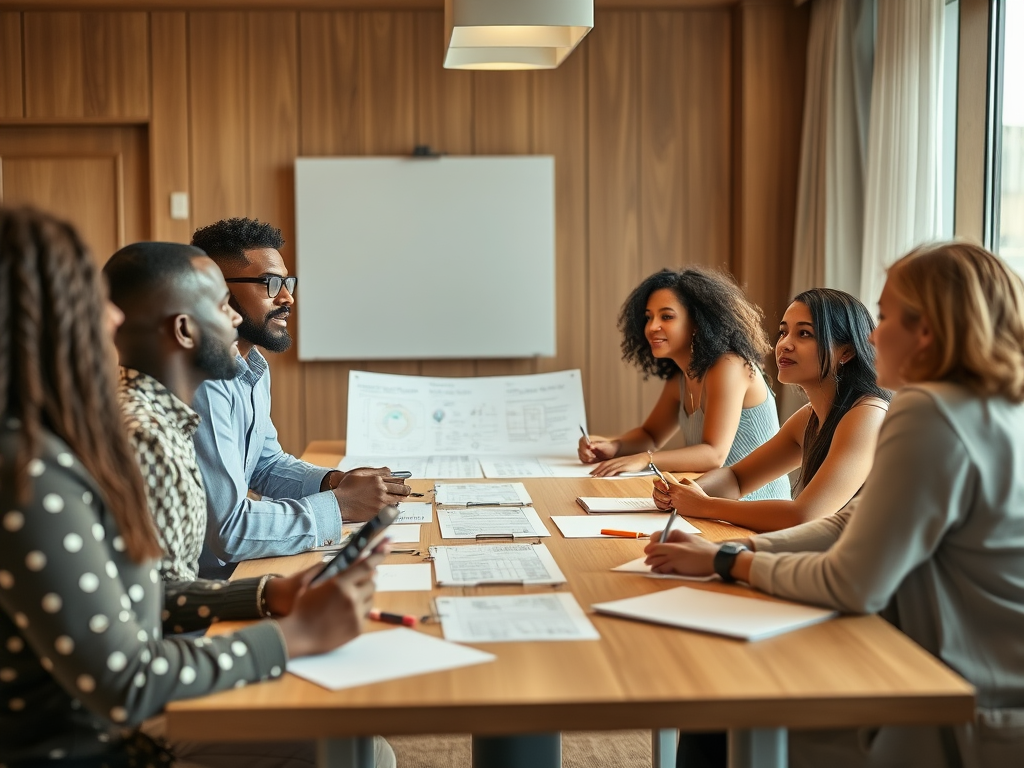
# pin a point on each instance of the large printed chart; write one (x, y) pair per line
(451, 426)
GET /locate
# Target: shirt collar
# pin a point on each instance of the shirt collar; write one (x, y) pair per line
(160, 399)
(252, 370)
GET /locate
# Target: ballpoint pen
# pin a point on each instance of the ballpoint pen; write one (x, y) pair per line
(585, 435)
(671, 517)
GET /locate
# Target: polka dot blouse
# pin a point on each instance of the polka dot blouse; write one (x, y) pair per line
(83, 656)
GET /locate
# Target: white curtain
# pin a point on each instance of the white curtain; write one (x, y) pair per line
(833, 164)
(903, 203)
(828, 240)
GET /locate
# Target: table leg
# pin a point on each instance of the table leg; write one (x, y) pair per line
(528, 750)
(356, 752)
(758, 748)
(664, 742)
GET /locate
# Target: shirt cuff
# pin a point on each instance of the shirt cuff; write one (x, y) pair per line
(326, 516)
(314, 475)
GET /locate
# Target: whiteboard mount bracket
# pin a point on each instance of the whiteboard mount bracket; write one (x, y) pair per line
(426, 151)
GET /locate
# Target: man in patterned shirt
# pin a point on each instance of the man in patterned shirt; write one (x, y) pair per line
(179, 331)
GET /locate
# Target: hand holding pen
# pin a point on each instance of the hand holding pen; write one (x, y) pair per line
(591, 450)
(683, 495)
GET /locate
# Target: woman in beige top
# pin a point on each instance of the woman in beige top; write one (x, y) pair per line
(937, 539)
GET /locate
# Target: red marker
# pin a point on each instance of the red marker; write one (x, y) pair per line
(392, 618)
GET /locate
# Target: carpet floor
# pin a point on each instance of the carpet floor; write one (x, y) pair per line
(580, 749)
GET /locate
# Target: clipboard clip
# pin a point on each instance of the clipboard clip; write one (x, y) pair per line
(480, 536)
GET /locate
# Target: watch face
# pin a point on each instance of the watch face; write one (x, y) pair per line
(731, 548)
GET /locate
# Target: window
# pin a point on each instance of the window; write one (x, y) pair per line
(1007, 189)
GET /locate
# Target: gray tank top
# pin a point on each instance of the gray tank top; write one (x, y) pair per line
(757, 425)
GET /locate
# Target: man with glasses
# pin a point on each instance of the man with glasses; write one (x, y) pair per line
(236, 441)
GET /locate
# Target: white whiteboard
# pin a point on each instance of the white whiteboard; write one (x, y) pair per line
(403, 258)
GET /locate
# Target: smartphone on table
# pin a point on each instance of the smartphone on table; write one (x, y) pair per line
(360, 545)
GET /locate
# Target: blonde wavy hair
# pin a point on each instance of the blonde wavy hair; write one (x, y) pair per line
(974, 305)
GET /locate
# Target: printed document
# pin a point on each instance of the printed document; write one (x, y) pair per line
(386, 655)
(514, 618)
(590, 526)
(746, 618)
(481, 495)
(536, 415)
(474, 564)
(481, 522)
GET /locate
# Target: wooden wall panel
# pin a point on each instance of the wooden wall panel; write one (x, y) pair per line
(614, 211)
(53, 57)
(772, 55)
(11, 94)
(444, 121)
(87, 65)
(502, 122)
(218, 116)
(685, 146)
(560, 129)
(168, 129)
(331, 123)
(273, 123)
(675, 134)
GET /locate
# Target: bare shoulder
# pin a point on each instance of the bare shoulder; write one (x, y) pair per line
(795, 426)
(870, 401)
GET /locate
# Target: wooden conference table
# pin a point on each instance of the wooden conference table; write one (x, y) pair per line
(849, 672)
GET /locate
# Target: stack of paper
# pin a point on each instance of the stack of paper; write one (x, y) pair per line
(476, 564)
(378, 656)
(745, 618)
(514, 618)
(586, 527)
(490, 522)
(481, 495)
(604, 504)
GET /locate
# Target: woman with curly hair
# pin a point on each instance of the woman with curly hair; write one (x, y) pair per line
(823, 349)
(696, 330)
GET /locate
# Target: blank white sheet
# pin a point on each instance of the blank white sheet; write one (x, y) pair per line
(414, 577)
(514, 618)
(377, 656)
(639, 566)
(745, 618)
(589, 526)
(534, 466)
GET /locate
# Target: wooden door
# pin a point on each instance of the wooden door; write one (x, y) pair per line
(96, 177)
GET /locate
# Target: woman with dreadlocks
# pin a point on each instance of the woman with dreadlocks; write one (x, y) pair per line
(83, 660)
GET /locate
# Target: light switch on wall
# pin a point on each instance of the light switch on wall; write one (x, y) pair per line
(179, 205)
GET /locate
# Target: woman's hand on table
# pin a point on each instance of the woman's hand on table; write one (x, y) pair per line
(331, 613)
(633, 463)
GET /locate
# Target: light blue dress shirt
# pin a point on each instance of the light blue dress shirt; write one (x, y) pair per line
(237, 448)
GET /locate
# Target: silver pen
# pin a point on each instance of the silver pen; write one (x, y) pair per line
(672, 516)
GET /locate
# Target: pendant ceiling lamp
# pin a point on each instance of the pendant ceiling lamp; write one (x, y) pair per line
(513, 34)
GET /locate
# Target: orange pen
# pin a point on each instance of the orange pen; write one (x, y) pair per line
(623, 534)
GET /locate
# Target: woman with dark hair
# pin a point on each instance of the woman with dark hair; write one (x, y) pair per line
(696, 330)
(83, 659)
(823, 349)
(935, 540)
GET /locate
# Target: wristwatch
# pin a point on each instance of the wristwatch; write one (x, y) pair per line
(725, 557)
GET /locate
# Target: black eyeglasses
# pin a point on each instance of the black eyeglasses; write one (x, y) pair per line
(274, 283)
